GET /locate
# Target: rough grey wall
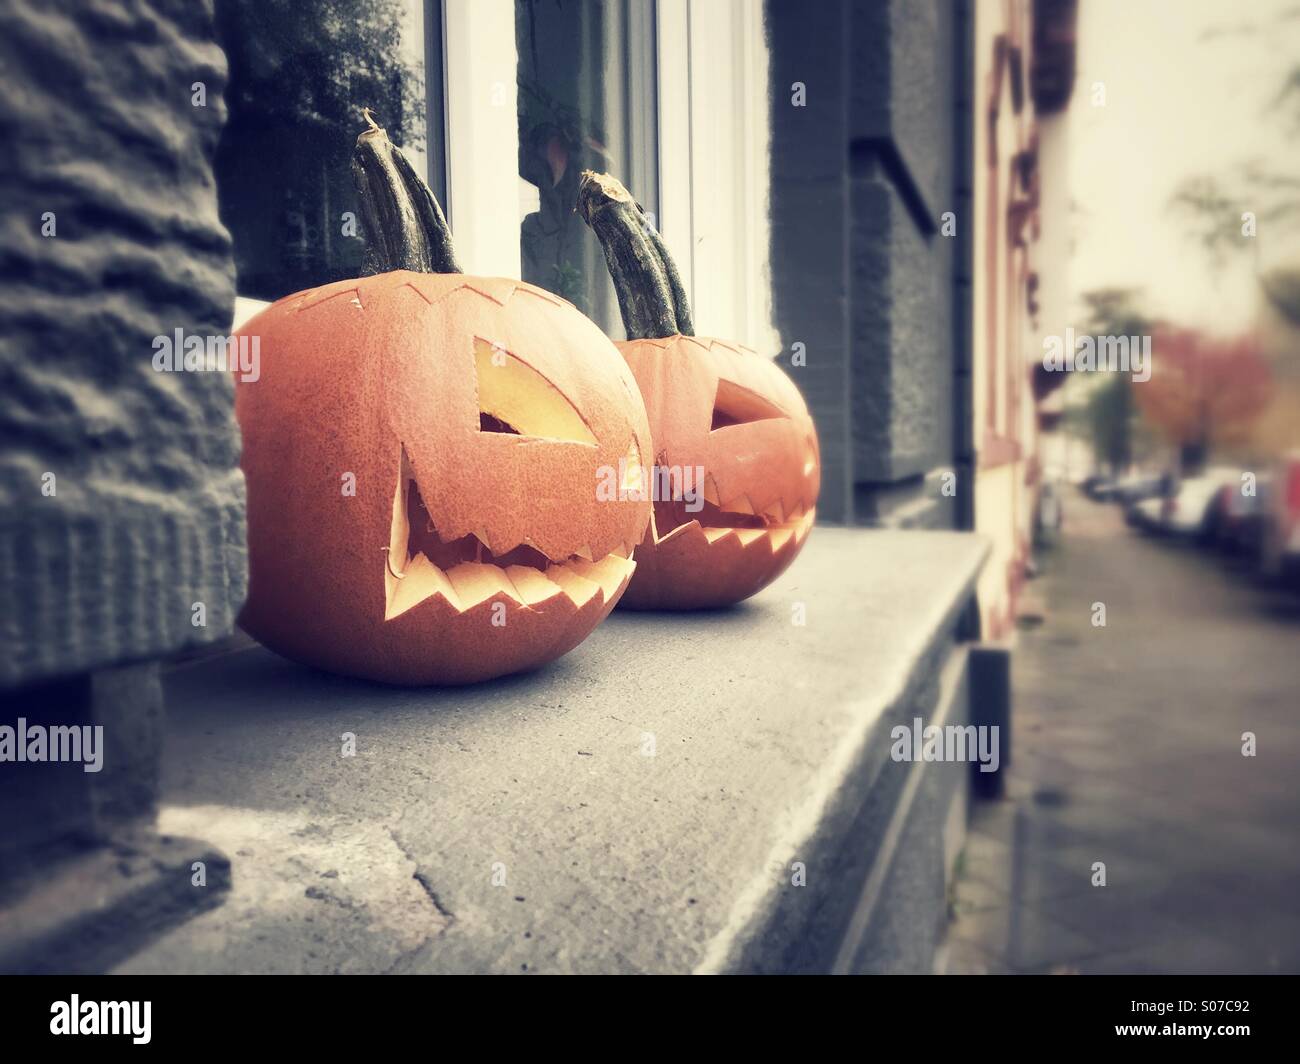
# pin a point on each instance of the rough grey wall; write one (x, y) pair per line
(147, 515)
(810, 217)
(900, 350)
(861, 179)
(902, 121)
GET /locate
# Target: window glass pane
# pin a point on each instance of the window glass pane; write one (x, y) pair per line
(586, 102)
(300, 73)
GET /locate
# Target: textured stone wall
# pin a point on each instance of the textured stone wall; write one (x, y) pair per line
(863, 271)
(110, 237)
(808, 45)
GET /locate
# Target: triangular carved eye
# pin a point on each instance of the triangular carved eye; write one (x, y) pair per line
(514, 398)
(734, 405)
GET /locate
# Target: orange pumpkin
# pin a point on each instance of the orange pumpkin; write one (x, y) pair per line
(718, 412)
(472, 418)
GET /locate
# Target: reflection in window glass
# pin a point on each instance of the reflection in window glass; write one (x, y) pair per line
(586, 102)
(300, 73)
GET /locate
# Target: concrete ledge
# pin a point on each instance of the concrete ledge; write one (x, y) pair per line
(642, 805)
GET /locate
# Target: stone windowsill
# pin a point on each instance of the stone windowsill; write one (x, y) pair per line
(643, 797)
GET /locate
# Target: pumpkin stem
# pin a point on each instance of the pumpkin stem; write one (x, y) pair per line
(650, 294)
(405, 228)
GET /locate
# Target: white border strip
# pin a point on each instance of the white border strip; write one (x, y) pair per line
(676, 219)
(483, 135)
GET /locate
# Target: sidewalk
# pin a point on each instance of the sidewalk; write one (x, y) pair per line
(1127, 750)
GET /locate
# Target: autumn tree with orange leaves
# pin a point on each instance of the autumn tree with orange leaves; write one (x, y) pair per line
(1203, 391)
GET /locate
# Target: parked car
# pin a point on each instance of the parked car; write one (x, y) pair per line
(1188, 510)
(1238, 519)
(1142, 486)
(1132, 491)
(1146, 514)
(1098, 486)
(1280, 547)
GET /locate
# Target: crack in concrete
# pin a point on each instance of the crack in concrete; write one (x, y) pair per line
(427, 887)
(426, 884)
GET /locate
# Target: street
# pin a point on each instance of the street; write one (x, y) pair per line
(1135, 834)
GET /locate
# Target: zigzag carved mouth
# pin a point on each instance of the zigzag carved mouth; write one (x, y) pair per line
(776, 526)
(670, 514)
(420, 564)
(724, 517)
(422, 537)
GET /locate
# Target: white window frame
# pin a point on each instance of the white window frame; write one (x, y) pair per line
(714, 155)
(482, 107)
(713, 150)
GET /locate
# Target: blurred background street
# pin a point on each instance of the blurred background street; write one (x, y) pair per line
(1128, 751)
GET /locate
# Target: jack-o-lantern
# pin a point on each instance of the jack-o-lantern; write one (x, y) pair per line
(719, 414)
(423, 452)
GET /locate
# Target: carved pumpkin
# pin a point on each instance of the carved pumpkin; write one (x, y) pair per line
(713, 406)
(473, 417)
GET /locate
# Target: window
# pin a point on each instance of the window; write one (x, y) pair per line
(587, 101)
(502, 103)
(300, 73)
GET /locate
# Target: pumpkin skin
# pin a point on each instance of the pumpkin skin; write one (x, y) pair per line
(761, 472)
(517, 560)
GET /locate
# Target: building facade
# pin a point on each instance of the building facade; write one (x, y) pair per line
(1024, 73)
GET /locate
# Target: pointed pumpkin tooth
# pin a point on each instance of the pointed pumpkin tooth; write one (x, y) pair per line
(749, 535)
(579, 589)
(532, 584)
(477, 582)
(780, 537)
(584, 552)
(421, 579)
(775, 512)
(805, 525)
(740, 505)
(584, 569)
(710, 489)
(715, 534)
(609, 572)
